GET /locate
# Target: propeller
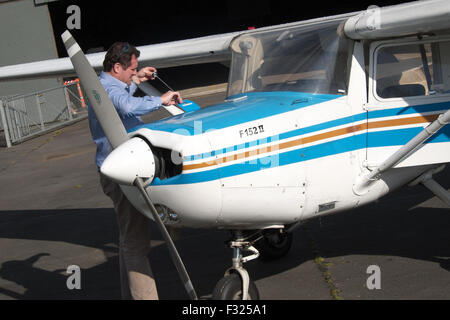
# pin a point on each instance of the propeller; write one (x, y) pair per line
(136, 160)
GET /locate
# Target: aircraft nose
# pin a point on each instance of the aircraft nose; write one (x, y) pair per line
(130, 160)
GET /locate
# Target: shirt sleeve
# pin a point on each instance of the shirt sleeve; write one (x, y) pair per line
(128, 106)
(133, 87)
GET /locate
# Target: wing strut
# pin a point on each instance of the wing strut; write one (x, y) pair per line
(427, 180)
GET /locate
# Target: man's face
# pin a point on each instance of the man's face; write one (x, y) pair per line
(125, 75)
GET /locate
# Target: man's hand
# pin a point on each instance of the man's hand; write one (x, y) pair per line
(170, 98)
(144, 74)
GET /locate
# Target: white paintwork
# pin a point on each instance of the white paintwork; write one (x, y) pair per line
(73, 50)
(66, 36)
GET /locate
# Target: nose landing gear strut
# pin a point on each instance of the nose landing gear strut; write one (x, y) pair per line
(236, 285)
(269, 244)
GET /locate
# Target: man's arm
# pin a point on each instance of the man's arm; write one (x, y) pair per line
(127, 105)
(167, 99)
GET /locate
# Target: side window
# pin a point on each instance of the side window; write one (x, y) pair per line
(419, 69)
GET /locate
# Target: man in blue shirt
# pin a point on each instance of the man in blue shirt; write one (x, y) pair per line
(120, 79)
(120, 84)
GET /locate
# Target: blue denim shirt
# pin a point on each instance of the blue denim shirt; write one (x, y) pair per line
(128, 107)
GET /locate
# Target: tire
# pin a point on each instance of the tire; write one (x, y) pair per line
(230, 288)
(274, 245)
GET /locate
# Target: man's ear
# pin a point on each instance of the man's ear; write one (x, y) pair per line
(117, 68)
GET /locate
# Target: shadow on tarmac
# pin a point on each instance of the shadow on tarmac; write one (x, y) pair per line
(92, 228)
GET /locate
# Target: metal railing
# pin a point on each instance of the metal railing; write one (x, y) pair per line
(26, 116)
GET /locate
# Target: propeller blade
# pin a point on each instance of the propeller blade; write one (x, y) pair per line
(101, 104)
(129, 164)
(116, 134)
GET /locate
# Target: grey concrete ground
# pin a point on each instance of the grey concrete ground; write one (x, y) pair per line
(54, 214)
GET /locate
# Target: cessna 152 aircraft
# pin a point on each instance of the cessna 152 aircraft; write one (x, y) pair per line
(321, 116)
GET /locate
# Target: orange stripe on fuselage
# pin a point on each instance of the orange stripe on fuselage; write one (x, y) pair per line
(314, 138)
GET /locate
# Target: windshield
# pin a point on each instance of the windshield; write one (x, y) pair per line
(302, 58)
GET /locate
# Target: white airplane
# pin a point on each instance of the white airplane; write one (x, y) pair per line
(321, 116)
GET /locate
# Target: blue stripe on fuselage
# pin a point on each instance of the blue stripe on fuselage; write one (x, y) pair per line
(326, 125)
(261, 105)
(353, 143)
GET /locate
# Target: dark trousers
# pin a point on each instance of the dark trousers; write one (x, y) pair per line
(136, 277)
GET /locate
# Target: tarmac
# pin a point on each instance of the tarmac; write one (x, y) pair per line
(55, 215)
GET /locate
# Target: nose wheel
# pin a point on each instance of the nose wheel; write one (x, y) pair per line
(236, 285)
(270, 244)
(230, 288)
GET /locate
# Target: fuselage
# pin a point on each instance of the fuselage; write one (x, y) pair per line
(274, 158)
(309, 112)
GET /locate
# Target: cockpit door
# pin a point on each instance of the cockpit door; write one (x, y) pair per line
(409, 86)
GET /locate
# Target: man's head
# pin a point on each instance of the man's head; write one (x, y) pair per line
(121, 61)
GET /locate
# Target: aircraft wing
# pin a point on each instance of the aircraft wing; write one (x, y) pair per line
(191, 51)
(410, 18)
(392, 21)
(213, 48)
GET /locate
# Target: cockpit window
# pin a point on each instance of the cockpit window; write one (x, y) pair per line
(303, 58)
(413, 69)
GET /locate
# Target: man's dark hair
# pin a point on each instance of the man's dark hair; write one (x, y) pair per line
(119, 52)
